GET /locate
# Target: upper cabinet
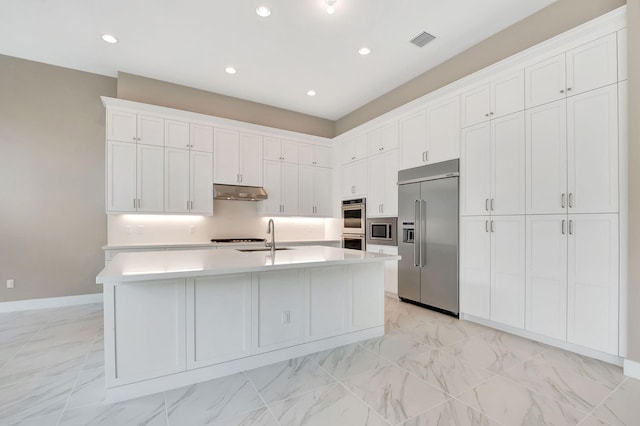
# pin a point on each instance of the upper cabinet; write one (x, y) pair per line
(431, 135)
(354, 149)
(314, 155)
(502, 96)
(383, 139)
(182, 135)
(314, 190)
(280, 150)
(584, 68)
(126, 126)
(622, 54)
(382, 197)
(281, 184)
(237, 158)
(354, 179)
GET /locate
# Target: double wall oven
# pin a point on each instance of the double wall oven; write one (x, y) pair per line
(354, 224)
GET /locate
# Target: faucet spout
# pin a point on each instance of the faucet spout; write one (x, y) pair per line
(271, 229)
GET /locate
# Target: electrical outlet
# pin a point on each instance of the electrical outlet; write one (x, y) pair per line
(10, 283)
(286, 317)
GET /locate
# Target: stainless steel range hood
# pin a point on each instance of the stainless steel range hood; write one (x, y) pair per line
(237, 192)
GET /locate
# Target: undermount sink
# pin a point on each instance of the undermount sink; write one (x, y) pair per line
(262, 249)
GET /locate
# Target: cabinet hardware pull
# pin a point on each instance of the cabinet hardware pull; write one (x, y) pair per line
(238, 178)
(571, 227)
(561, 91)
(138, 202)
(564, 227)
(426, 155)
(563, 200)
(187, 204)
(486, 226)
(134, 203)
(486, 115)
(492, 230)
(492, 202)
(491, 113)
(486, 204)
(568, 89)
(353, 158)
(382, 208)
(423, 160)
(191, 205)
(571, 200)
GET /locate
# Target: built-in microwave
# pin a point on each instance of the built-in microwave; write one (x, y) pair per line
(383, 230)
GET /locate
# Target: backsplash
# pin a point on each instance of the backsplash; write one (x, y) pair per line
(230, 219)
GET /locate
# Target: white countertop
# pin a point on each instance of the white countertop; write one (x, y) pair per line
(144, 266)
(209, 245)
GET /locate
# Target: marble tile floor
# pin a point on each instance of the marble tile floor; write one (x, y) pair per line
(428, 369)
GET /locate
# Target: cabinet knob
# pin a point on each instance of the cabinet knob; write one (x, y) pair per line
(562, 91)
(491, 113)
(486, 115)
(353, 158)
(568, 89)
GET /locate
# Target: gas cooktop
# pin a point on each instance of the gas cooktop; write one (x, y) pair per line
(237, 240)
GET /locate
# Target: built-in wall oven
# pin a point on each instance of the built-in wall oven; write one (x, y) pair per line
(354, 224)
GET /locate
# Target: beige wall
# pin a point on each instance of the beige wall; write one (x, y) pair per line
(633, 301)
(546, 23)
(156, 92)
(52, 221)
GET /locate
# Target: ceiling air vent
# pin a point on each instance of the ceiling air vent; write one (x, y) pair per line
(422, 39)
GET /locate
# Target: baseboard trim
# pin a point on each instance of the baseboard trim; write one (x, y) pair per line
(632, 369)
(50, 302)
(391, 295)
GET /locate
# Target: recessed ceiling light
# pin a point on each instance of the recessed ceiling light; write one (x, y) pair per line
(311, 92)
(364, 51)
(230, 70)
(109, 38)
(263, 11)
(330, 6)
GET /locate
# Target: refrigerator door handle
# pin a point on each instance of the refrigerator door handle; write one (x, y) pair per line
(423, 233)
(416, 239)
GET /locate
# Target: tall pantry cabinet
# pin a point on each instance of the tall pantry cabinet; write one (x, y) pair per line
(539, 191)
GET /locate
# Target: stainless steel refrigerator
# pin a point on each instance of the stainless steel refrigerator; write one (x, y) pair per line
(428, 244)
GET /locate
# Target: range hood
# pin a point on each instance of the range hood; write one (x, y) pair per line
(237, 192)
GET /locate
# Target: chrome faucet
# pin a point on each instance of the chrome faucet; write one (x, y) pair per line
(271, 229)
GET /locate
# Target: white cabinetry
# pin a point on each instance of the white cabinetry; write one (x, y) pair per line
(200, 137)
(280, 150)
(329, 312)
(354, 179)
(390, 267)
(149, 330)
(134, 177)
(127, 126)
(314, 155)
(367, 295)
(500, 97)
(176, 134)
(584, 68)
(211, 302)
(383, 139)
(475, 170)
(431, 135)
(237, 158)
(281, 184)
(188, 181)
(382, 196)
(354, 149)
(315, 191)
(492, 265)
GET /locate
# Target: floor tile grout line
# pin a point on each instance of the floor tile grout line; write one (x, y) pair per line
(363, 402)
(590, 414)
(166, 408)
(255, 388)
(479, 411)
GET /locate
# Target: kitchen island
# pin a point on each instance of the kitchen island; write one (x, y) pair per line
(174, 318)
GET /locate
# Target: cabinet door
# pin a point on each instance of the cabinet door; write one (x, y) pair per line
(390, 200)
(593, 281)
(226, 157)
(329, 310)
(150, 130)
(508, 270)
(375, 195)
(347, 183)
(121, 126)
(592, 65)
(374, 142)
(360, 178)
(280, 304)
(201, 138)
(413, 137)
(305, 154)
(475, 170)
(508, 180)
(367, 290)
(176, 180)
(201, 171)
(390, 136)
(290, 190)
(546, 276)
(546, 141)
(273, 186)
(250, 160)
(443, 131)
(121, 177)
(150, 188)
(290, 152)
(545, 82)
(622, 54)
(593, 151)
(322, 191)
(177, 134)
(306, 197)
(476, 105)
(475, 266)
(211, 302)
(507, 94)
(272, 149)
(359, 147)
(321, 156)
(150, 330)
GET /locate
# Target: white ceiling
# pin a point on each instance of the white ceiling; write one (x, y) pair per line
(299, 47)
